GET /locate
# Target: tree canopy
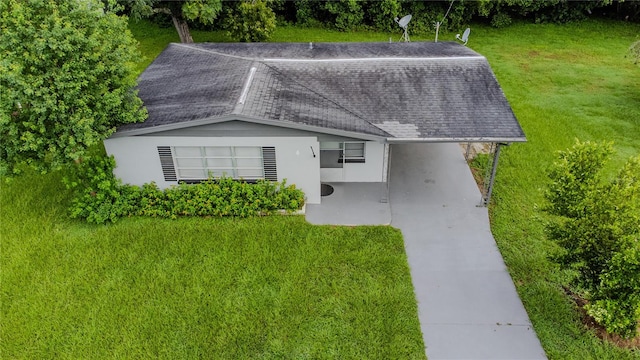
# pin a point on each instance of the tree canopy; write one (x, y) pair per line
(251, 21)
(67, 79)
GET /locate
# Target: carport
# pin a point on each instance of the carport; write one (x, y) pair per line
(488, 178)
(359, 203)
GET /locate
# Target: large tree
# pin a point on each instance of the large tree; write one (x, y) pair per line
(67, 79)
(204, 11)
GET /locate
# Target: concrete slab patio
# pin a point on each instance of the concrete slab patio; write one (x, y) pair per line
(467, 303)
(352, 204)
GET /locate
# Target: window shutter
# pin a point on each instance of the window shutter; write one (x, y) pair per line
(166, 161)
(269, 163)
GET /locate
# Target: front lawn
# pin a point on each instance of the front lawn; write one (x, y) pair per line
(258, 288)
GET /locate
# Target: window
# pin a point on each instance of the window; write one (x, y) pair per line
(353, 152)
(334, 154)
(201, 162)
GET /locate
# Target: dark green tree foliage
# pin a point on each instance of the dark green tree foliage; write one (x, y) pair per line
(382, 13)
(426, 14)
(379, 14)
(306, 12)
(597, 226)
(251, 21)
(540, 10)
(345, 14)
(66, 80)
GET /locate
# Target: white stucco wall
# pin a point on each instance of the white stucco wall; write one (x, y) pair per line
(138, 161)
(372, 170)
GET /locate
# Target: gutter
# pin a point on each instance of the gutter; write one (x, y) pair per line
(455, 140)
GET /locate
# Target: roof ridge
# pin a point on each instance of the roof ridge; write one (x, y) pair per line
(387, 58)
(196, 48)
(357, 115)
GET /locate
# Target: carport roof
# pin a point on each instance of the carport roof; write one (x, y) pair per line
(415, 91)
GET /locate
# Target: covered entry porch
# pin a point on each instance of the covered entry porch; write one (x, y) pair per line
(368, 203)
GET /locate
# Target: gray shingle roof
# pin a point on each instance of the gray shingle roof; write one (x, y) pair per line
(400, 91)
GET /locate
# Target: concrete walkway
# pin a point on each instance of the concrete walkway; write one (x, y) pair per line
(467, 303)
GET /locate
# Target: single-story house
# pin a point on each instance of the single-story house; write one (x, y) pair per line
(305, 112)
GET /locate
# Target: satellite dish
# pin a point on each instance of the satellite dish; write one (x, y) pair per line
(465, 36)
(403, 23)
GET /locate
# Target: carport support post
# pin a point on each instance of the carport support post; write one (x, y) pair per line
(386, 174)
(494, 168)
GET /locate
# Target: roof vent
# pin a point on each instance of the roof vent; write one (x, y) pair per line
(247, 85)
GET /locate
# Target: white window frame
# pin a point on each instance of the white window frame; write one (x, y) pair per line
(354, 155)
(234, 171)
(347, 152)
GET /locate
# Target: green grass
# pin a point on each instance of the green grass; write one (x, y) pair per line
(259, 288)
(278, 287)
(563, 83)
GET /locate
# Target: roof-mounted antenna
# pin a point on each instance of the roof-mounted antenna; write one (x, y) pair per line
(438, 23)
(404, 22)
(465, 36)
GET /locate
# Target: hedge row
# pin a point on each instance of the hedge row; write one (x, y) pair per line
(100, 197)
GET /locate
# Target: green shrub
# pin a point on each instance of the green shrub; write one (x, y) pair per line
(574, 176)
(381, 14)
(251, 21)
(99, 197)
(219, 197)
(616, 304)
(501, 20)
(346, 14)
(597, 226)
(308, 13)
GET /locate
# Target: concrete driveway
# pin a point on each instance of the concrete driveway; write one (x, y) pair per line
(467, 303)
